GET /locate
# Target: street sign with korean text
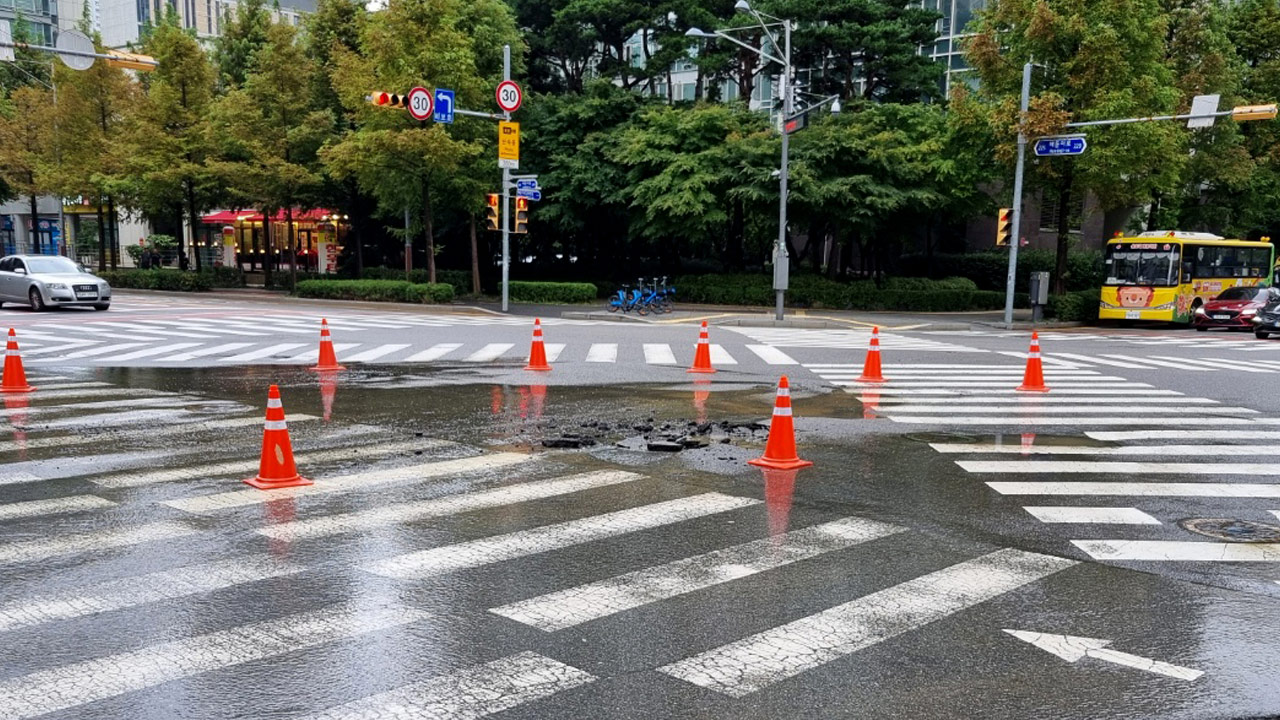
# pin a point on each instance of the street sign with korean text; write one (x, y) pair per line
(1068, 145)
(444, 105)
(534, 195)
(419, 104)
(509, 145)
(527, 184)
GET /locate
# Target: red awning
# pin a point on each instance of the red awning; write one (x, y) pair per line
(228, 217)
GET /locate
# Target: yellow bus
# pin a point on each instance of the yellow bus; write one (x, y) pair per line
(1168, 274)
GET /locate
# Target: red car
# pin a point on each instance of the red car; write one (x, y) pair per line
(1234, 308)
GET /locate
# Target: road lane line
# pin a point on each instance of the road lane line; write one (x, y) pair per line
(1216, 364)
(1178, 551)
(1083, 394)
(190, 428)
(260, 353)
(204, 352)
(312, 354)
(148, 352)
(200, 472)
(1138, 489)
(1022, 400)
(772, 355)
(440, 506)
(1159, 363)
(435, 352)
(720, 356)
(1091, 515)
(1028, 407)
(1112, 420)
(1102, 361)
(756, 662)
(345, 483)
(1224, 435)
(74, 685)
(489, 352)
(1157, 450)
(658, 354)
(53, 506)
(70, 544)
(546, 538)
(474, 692)
(584, 603)
(91, 352)
(96, 392)
(375, 353)
(602, 353)
(975, 384)
(141, 590)
(1117, 467)
(63, 345)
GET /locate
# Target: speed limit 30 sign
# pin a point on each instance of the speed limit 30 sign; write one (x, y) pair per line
(420, 104)
(509, 96)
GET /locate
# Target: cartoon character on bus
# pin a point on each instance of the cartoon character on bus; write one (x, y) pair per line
(1135, 296)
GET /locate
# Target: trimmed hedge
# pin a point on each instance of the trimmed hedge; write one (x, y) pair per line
(1081, 305)
(913, 294)
(552, 292)
(990, 269)
(456, 278)
(176, 280)
(375, 290)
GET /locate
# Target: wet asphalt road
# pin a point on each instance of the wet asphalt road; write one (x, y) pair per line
(446, 564)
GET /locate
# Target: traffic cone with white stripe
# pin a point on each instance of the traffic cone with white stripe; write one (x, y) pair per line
(538, 351)
(15, 378)
(328, 360)
(871, 366)
(780, 450)
(1033, 378)
(702, 356)
(276, 468)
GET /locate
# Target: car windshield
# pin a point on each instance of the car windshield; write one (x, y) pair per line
(1138, 265)
(37, 266)
(1254, 294)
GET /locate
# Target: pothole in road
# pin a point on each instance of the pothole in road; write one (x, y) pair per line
(1232, 530)
(941, 437)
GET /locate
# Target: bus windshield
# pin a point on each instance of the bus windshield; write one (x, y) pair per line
(1142, 264)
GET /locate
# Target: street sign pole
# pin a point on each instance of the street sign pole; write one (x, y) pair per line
(1016, 225)
(506, 181)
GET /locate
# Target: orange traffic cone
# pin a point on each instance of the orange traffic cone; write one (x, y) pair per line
(328, 360)
(1033, 379)
(15, 378)
(780, 450)
(276, 469)
(702, 356)
(538, 352)
(871, 366)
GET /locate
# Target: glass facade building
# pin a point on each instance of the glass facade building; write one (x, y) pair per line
(948, 49)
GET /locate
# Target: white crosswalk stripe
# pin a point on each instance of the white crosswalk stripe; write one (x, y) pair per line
(260, 353)
(191, 428)
(53, 506)
(603, 353)
(205, 352)
(150, 352)
(435, 352)
(69, 544)
(859, 339)
(772, 355)
(1139, 489)
(720, 356)
(658, 354)
(373, 353)
(1100, 467)
(1178, 551)
(1091, 515)
(489, 352)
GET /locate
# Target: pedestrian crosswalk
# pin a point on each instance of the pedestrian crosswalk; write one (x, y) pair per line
(854, 339)
(1233, 342)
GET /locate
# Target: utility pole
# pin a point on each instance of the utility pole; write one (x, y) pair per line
(506, 183)
(782, 261)
(1017, 198)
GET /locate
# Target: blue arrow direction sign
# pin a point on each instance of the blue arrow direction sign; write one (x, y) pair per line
(444, 106)
(534, 195)
(1061, 146)
(527, 184)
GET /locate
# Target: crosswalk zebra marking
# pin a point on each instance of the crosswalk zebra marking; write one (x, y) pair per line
(70, 544)
(149, 352)
(1157, 450)
(1178, 551)
(720, 356)
(1052, 421)
(1030, 409)
(1159, 363)
(260, 353)
(1213, 364)
(205, 352)
(435, 352)
(53, 506)
(374, 353)
(91, 352)
(1139, 489)
(1024, 400)
(1091, 515)
(486, 551)
(190, 428)
(312, 354)
(577, 605)
(1083, 393)
(1100, 467)
(1101, 361)
(658, 354)
(772, 355)
(602, 353)
(80, 683)
(489, 352)
(553, 351)
(1223, 435)
(766, 658)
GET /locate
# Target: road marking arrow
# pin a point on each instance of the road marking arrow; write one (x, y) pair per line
(1072, 648)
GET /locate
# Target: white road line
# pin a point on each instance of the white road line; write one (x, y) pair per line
(167, 332)
(203, 352)
(1138, 489)
(553, 351)
(658, 354)
(474, 692)
(720, 356)
(69, 544)
(577, 605)
(602, 353)
(73, 685)
(1225, 435)
(554, 537)
(756, 662)
(1160, 363)
(53, 506)
(1014, 448)
(374, 353)
(441, 506)
(1117, 467)
(1113, 420)
(117, 419)
(1028, 408)
(148, 352)
(92, 352)
(346, 483)
(260, 353)
(183, 429)
(65, 345)
(984, 392)
(1025, 399)
(1004, 383)
(772, 355)
(1179, 551)
(435, 352)
(216, 327)
(969, 375)
(1216, 364)
(1102, 361)
(200, 472)
(164, 401)
(926, 366)
(489, 352)
(1091, 515)
(140, 590)
(313, 354)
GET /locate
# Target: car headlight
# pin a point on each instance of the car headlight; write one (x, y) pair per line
(1249, 311)
(56, 286)
(1200, 311)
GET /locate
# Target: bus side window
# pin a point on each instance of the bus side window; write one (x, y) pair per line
(1186, 271)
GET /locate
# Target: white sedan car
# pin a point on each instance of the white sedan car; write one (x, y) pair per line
(44, 281)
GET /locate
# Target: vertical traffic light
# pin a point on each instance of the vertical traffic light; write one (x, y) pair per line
(491, 216)
(1002, 226)
(522, 215)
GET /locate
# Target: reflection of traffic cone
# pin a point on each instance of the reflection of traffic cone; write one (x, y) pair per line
(871, 366)
(279, 512)
(17, 405)
(539, 394)
(700, 395)
(870, 404)
(1033, 379)
(496, 400)
(537, 353)
(15, 378)
(779, 486)
(328, 390)
(1028, 443)
(328, 360)
(276, 468)
(780, 450)
(702, 356)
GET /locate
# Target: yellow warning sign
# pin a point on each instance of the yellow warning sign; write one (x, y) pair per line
(509, 145)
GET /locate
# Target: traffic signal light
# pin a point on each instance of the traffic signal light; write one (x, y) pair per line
(1002, 226)
(386, 99)
(491, 217)
(522, 215)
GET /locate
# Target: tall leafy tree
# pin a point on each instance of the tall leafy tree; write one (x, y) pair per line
(1254, 29)
(244, 33)
(26, 146)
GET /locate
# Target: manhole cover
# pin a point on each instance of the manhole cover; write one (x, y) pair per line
(1233, 530)
(941, 437)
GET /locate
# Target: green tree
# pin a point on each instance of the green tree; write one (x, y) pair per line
(26, 146)
(1254, 29)
(244, 33)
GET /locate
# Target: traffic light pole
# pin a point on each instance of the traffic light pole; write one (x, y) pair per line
(1017, 199)
(506, 183)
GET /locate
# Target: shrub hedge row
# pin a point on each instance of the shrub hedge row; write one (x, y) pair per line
(158, 279)
(913, 293)
(990, 270)
(376, 290)
(456, 278)
(1081, 305)
(552, 292)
